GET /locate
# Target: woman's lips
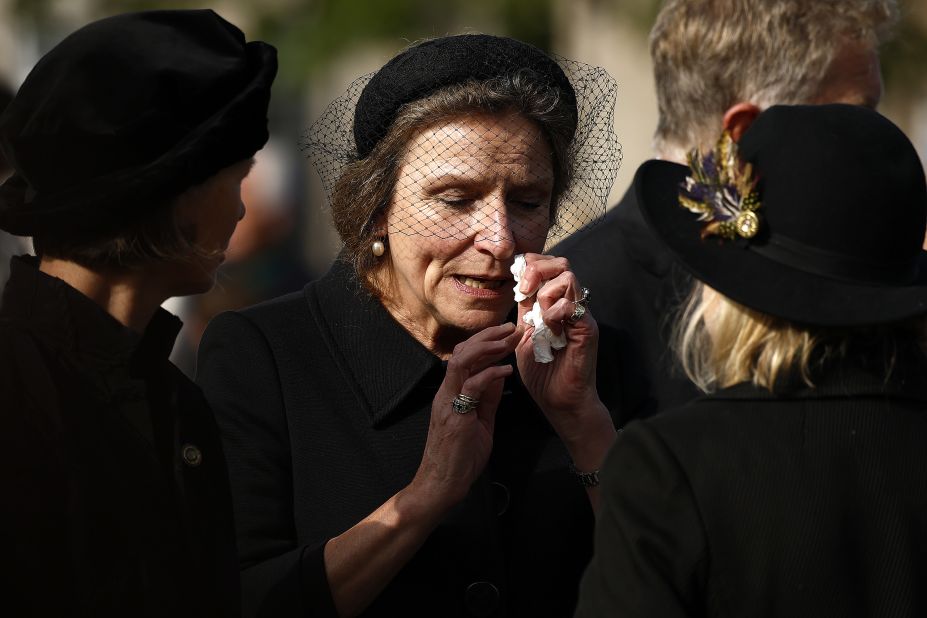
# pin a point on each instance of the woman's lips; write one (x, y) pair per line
(483, 288)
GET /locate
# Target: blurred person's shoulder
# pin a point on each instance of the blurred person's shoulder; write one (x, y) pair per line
(271, 309)
(587, 247)
(337, 279)
(278, 320)
(620, 241)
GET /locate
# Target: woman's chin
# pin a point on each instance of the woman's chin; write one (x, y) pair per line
(473, 320)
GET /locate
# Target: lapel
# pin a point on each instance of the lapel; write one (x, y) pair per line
(381, 361)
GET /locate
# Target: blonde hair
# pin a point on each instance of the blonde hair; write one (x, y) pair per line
(720, 343)
(711, 54)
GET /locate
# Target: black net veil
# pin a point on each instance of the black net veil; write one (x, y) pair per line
(490, 141)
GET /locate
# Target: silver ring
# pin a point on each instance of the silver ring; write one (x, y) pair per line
(463, 404)
(585, 298)
(579, 310)
(579, 307)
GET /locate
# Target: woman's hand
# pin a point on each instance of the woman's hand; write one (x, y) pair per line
(360, 562)
(458, 445)
(565, 387)
(568, 382)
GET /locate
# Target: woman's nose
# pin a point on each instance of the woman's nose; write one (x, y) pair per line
(494, 233)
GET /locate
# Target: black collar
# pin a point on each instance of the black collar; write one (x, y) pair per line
(72, 324)
(846, 379)
(379, 357)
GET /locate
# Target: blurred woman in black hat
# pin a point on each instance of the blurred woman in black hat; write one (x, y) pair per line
(796, 487)
(371, 471)
(129, 141)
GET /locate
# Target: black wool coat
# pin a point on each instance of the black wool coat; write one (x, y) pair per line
(812, 503)
(323, 402)
(115, 497)
(636, 289)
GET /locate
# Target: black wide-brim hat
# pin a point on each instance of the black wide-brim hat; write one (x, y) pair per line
(842, 220)
(127, 113)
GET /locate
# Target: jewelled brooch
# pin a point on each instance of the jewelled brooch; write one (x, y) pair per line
(722, 191)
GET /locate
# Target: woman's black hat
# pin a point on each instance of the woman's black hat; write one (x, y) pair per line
(424, 68)
(842, 215)
(352, 126)
(128, 112)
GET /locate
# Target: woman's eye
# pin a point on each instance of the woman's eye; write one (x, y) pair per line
(528, 204)
(455, 202)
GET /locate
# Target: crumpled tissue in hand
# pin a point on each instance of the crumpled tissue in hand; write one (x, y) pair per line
(518, 270)
(543, 339)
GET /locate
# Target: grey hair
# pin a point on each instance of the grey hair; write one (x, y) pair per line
(710, 54)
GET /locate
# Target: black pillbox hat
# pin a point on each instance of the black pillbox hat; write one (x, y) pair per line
(431, 65)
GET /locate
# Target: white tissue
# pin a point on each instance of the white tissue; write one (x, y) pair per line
(543, 339)
(518, 269)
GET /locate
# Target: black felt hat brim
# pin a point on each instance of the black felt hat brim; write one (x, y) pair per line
(761, 283)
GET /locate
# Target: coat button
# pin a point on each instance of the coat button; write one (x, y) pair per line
(482, 599)
(192, 456)
(500, 497)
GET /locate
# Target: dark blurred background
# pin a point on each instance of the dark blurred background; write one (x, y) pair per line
(286, 237)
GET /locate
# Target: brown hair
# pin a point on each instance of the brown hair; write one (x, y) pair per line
(365, 188)
(155, 237)
(710, 54)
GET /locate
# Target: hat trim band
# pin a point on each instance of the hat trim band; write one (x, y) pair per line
(835, 265)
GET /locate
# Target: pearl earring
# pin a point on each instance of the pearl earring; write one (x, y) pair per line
(378, 248)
